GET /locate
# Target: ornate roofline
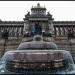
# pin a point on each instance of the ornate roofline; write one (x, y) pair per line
(23, 21)
(63, 21)
(38, 7)
(11, 21)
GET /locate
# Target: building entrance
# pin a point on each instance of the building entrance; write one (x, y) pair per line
(37, 29)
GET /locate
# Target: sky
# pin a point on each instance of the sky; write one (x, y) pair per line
(16, 10)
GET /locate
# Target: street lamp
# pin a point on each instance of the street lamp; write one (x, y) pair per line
(5, 35)
(70, 37)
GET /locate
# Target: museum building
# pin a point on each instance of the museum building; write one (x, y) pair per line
(41, 22)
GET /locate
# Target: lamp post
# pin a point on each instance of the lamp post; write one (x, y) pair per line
(70, 36)
(5, 35)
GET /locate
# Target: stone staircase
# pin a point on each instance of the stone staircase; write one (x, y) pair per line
(63, 44)
(11, 44)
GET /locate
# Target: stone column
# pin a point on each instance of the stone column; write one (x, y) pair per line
(63, 31)
(55, 31)
(26, 26)
(51, 28)
(15, 32)
(66, 31)
(43, 27)
(10, 31)
(22, 31)
(59, 31)
(32, 26)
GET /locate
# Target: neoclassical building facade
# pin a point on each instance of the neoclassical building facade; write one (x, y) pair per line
(39, 18)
